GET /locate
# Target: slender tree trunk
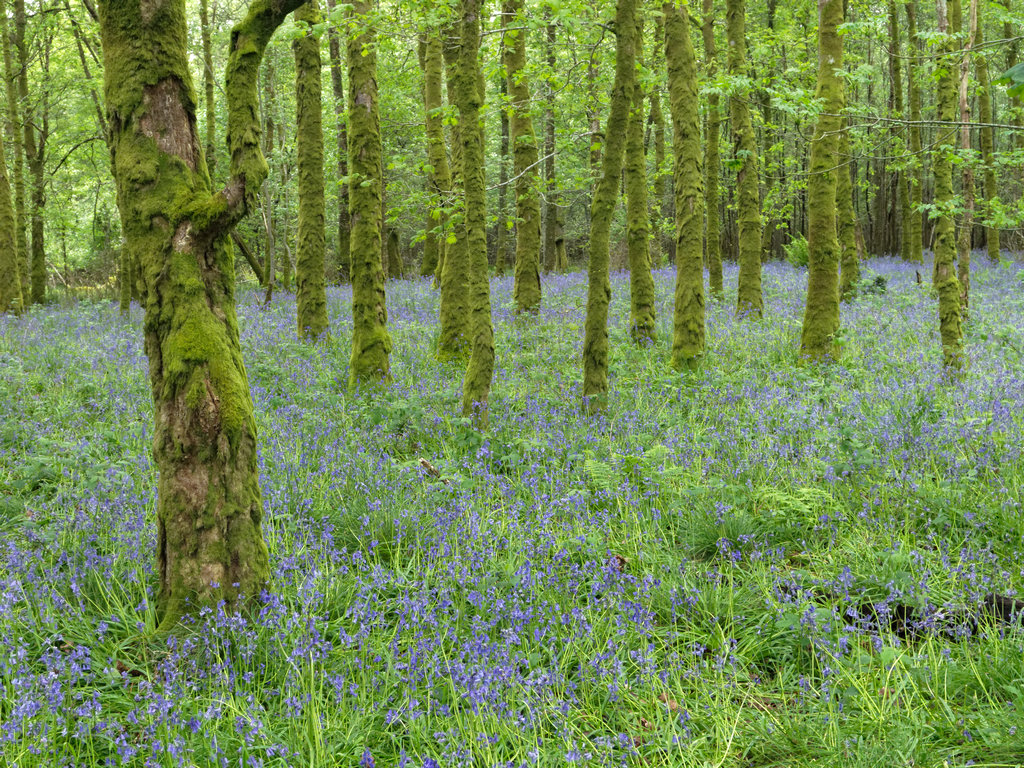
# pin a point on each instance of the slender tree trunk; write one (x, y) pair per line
(711, 158)
(895, 65)
(310, 279)
(455, 310)
(526, 288)
(945, 280)
(371, 344)
(550, 193)
(267, 194)
(439, 177)
(847, 219)
(35, 155)
(209, 540)
(477, 383)
(595, 340)
(688, 320)
(915, 238)
(211, 117)
(990, 190)
(16, 173)
(11, 298)
(963, 245)
(501, 248)
(748, 195)
(821, 314)
(341, 139)
(641, 282)
(661, 244)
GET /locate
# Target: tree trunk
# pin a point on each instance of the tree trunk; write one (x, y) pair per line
(711, 158)
(641, 282)
(209, 542)
(477, 384)
(990, 190)
(35, 158)
(897, 90)
(439, 177)
(341, 139)
(550, 194)
(748, 197)
(15, 135)
(821, 314)
(595, 339)
(526, 288)
(963, 244)
(688, 322)
(371, 343)
(847, 219)
(945, 281)
(11, 297)
(310, 279)
(661, 244)
(916, 180)
(501, 249)
(267, 194)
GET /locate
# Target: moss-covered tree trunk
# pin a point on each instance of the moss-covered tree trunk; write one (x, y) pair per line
(990, 192)
(455, 312)
(477, 384)
(125, 278)
(688, 322)
(846, 223)
(916, 178)
(11, 298)
(439, 176)
(967, 191)
(595, 338)
(662, 244)
(35, 126)
(526, 288)
(903, 187)
(641, 281)
(208, 87)
(821, 313)
(209, 542)
(267, 194)
(310, 239)
(501, 248)
(371, 344)
(16, 172)
(341, 147)
(712, 162)
(749, 301)
(550, 191)
(945, 280)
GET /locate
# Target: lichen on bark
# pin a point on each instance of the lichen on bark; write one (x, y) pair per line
(371, 343)
(595, 339)
(688, 319)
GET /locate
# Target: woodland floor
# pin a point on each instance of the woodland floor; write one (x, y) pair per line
(755, 564)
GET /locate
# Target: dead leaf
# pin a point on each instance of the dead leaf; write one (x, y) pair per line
(672, 704)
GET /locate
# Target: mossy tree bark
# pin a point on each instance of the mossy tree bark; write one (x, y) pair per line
(661, 244)
(310, 239)
(477, 384)
(712, 164)
(371, 344)
(455, 305)
(821, 313)
(990, 190)
(896, 69)
(963, 243)
(846, 223)
(526, 288)
(439, 176)
(125, 277)
(16, 173)
(267, 197)
(945, 280)
(341, 146)
(916, 178)
(550, 221)
(503, 220)
(641, 281)
(595, 338)
(688, 322)
(749, 301)
(11, 298)
(209, 541)
(35, 125)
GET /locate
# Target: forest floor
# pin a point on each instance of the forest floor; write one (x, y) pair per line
(755, 564)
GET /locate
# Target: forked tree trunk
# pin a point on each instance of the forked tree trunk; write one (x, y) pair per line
(210, 544)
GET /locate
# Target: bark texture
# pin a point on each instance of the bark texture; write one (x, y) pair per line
(849, 256)
(641, 282)
(749, 301)
(595, 339)
(341, 145)
(712, 163)
(688, 322)
(821, 313)
(371, 344)
(15, 135)
(11, 298)
(439, 176)
(963, 242)
(209, 541)
(310, 279)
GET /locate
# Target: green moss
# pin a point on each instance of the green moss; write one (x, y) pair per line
(847, 220)
(439, 177)
(688, 319)
(712, 164)
(595, 338)
(821, 313)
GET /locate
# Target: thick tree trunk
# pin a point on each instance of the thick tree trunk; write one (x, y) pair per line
(371, 344)
(477, 384)
(11, 297)
(526, 288)
(209, 542)
(711, 158)
(821, 314)
(748, 197)
(15, 135)
(641, 282)
(915, 237)
(341, 143)
(595, 339)
(688, 322)
(945, 281)
(310, 279)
